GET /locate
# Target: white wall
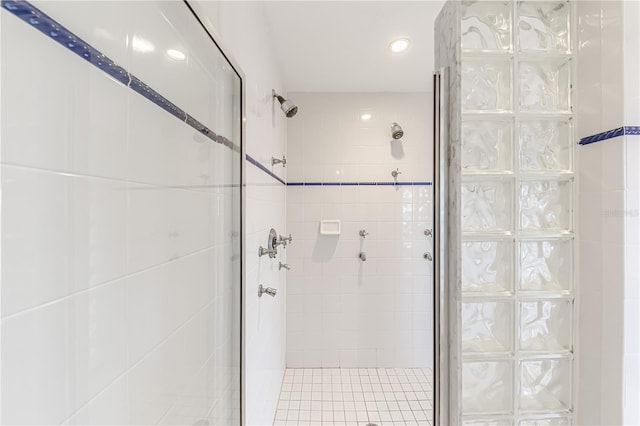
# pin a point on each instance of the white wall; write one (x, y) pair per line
(631, 358)
(608, 209)
(342, 312)
(117, 240)
(246, 36)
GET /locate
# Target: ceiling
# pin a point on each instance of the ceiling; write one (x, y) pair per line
(342, 46)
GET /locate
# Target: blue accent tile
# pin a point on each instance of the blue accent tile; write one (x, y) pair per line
(610, 134)
(357, 183)
(632, 130)
(263, 168)
(61, 35)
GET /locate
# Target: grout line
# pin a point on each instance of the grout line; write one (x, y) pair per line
(130, 368)
(128, 185)
(104, 284)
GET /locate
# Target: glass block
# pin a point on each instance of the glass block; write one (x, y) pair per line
(487, 206)
(487, 145)
(543, 26)
(545, 145)
(545, 385)
(544, 86)
(486, 26)
(545, 205)
(545, 265)
(487, 327)
(486, 85)
(487, 266)
(487, 387)
(546, 421)
(487, 422)
(545, 326)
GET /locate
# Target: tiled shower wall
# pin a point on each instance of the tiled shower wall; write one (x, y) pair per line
(342, 311)
(245, 33)
(608, 210)
(120, 246)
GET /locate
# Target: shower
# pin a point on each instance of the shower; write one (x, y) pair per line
(289, 108)
(396, 131)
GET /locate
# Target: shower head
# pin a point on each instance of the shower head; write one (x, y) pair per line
(289, 108)
(396, 131)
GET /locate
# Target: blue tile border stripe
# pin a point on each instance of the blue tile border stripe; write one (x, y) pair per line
(610, 134)
(58, 33)
(359, 183)
(264, 169)
(259, 165)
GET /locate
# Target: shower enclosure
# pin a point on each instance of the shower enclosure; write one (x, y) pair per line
(122, 162)
(505, 191)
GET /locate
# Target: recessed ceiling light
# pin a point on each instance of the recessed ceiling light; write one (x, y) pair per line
(176, 54)
(400, 45)
(365, 117)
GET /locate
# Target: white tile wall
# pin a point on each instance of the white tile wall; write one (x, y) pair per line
(245, 33)
(608, 214)
(342, 312)
(117, 283)
(631, 359)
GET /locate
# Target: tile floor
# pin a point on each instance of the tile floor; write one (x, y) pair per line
(356, 396)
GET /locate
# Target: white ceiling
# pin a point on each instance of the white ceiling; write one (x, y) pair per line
(342, 46)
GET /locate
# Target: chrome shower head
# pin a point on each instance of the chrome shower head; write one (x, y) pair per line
(396, 131)
(289, 108)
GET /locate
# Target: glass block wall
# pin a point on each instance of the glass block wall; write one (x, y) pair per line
(517, 213)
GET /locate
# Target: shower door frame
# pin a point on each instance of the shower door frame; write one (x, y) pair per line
(440, 268)
(214, 35)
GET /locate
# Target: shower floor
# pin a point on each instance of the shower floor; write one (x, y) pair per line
(356, 396)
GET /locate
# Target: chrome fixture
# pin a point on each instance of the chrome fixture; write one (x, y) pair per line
(271, 252)
(288, 107)
(428, 232)
(284, 265)
(428, 256)
(268, 290)
(363, 233)
(284, 240)
(275, 161)
(395, 173)
(272, 245)
(362, 256)
(396, 131)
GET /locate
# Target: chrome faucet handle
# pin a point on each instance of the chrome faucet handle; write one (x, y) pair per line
(285, 240)
(395, 173)
(268, 290)
(428, 232)
(284, 265)
(275, 161)
(271, 252)
(363, 233)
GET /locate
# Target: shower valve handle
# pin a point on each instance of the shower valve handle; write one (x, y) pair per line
(284, 266)
(275, 161)
(285, 240)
